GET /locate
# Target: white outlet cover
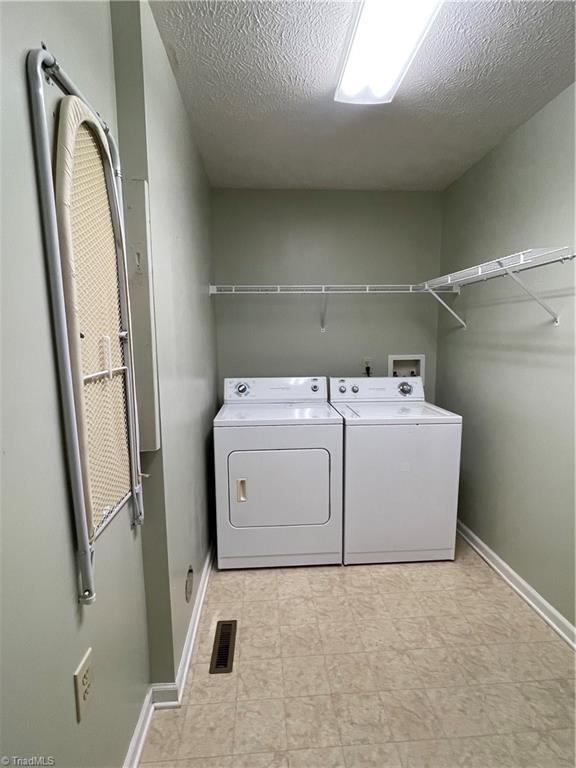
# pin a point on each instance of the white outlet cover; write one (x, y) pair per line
(83, 683)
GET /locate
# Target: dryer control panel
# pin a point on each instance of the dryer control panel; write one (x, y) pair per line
(291, 389)
(377, 388)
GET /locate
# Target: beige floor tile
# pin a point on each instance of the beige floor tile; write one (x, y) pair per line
(440, 603)
(403, 605)
(260, 613)
(311, 723)
(212, 613)
(509, 663)
(549, 749)
(557, 657)
(372, 756)
(430, 753)
(461, 711)
(203, 645)
(350, 673)
(258, 642)
(394, 670)
(390, 579)
(300, 640)
(304, 676)
(328, 757)
(163, 738)
(452, 630)
(259, 679)
(356, 582)
(332, 608)
(437, 667)
(371, 605)
(208, 730)
(488, 600)
(361, 718)
(326, 584)
(222, 761)
(410, 715)
(483, 752)
(293, 585)
(224, 592)
(489, 628)
(380, 635)
(508, 707)
(228, 576)
(202, 687)
(419, 632)
(297, 611)
(552, 701)
(260, 726)
(260, 585)
(526, 624)
(261, 760)
(339, 637)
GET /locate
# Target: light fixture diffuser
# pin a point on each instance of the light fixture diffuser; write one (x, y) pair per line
(385, 40)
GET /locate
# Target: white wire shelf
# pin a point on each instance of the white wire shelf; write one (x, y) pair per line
(451, 283)
(325, 289)
(517, 262)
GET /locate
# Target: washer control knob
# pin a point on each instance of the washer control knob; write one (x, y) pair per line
(315, 387)
(342, 388)
(242, 388)
(355, 388)
(404, 388)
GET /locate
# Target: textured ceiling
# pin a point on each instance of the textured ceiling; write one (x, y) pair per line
(258, 79)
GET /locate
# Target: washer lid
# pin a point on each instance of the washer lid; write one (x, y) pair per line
(361, 414)
(276, 414)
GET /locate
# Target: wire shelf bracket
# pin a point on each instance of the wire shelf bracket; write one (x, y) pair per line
(454, 314)
(546, 307)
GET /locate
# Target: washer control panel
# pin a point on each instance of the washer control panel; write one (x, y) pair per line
(282, 390)
(376, 388)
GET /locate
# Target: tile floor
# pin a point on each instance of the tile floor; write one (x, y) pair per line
(426, 665)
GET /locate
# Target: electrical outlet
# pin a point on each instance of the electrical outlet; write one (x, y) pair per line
(366, 363)
(83, 683)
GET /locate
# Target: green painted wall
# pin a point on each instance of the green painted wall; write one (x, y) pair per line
(44, 631)
(155, 128)
(324, 237)
(180, 223)
(511, 374)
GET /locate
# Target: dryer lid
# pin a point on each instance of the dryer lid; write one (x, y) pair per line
(276, 414)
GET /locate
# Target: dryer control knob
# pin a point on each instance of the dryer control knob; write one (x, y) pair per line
(355, 388)
(241, 389)
(342, 388)
(314, 387)
(404, 388)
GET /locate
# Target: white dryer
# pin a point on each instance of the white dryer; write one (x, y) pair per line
(278, 459)
(401, 469)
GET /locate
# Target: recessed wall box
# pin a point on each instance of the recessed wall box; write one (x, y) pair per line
(404, 366)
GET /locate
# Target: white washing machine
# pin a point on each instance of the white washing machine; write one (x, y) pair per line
(401, 470)
(278, 453)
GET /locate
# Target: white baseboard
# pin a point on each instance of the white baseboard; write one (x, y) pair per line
(551, 616)
(169, 695)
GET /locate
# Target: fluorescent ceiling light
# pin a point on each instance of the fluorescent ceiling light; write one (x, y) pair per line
(385, 40)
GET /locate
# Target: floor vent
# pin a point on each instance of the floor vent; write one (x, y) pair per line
(223, 650)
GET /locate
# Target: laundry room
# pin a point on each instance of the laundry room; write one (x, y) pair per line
(288, 384)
